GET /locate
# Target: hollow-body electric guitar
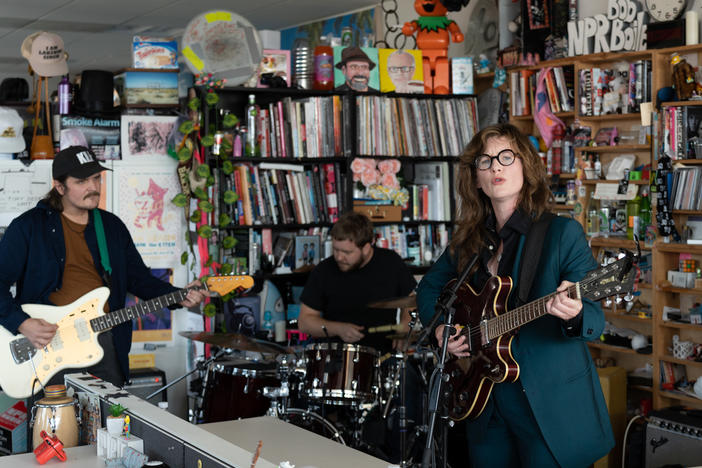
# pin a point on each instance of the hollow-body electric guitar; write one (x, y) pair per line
(490, 328)
(76, 341)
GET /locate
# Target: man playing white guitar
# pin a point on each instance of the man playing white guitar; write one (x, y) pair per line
(56, 253)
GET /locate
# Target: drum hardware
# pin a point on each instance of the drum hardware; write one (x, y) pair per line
(235, 341)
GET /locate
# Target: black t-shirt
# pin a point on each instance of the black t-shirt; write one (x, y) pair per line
(343, 296)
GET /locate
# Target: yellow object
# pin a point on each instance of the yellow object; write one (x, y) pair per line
(218, 16)
(613, 382)
(140, 361)
(192, 57)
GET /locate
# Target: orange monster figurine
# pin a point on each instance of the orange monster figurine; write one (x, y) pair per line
(433, 28)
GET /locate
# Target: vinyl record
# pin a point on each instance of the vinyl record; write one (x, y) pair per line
(222, 43)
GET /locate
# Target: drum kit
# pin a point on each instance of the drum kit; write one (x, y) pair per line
(337, 390)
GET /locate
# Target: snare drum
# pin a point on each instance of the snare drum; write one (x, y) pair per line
(234, 390)
(341, 373)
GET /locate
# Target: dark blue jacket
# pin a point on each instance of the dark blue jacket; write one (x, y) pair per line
(33, 253)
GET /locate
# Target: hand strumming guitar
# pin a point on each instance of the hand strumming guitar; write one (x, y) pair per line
(39, 332)
(457, 344)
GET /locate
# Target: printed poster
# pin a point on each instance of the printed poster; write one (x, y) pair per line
(143, 195)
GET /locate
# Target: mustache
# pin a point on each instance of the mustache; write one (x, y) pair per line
(92, 194)
(360, 77)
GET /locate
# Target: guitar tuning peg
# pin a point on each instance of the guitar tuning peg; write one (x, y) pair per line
(629, 297)
(618, 299)
(608, 302)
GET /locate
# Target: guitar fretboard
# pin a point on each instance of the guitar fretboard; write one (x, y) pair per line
(498, 326)
(112, 319)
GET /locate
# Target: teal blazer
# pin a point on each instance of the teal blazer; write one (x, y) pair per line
(556, 370)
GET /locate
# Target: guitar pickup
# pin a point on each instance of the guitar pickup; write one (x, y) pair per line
(22, 350)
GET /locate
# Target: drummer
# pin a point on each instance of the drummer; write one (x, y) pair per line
(338, 289)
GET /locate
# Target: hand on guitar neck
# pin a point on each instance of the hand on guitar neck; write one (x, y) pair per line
(561, 306)
(195, 295)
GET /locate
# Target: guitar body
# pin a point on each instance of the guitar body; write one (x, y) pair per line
(74, 345)
(471, 379)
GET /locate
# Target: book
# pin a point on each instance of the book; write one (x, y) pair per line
(462, 75)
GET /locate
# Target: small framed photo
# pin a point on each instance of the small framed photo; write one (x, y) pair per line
(306, 251)
(462, 75)
(145, 135)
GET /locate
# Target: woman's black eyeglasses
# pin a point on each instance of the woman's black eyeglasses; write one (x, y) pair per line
(505, 157)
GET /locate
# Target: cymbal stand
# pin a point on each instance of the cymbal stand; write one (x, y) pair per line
(282, 392)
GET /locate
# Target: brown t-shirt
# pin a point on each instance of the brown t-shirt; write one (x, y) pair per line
(79, 273)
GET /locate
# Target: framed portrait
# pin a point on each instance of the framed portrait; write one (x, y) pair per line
(401, 71)
(145, 135)
(356, 68)
(306, 251)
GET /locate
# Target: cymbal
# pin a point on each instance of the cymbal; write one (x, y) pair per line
(405, 302)
(235, 341)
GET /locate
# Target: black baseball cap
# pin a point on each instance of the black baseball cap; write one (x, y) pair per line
(76, 161)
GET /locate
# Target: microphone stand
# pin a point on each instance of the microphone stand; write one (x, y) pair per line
(443, 307)
(200, 366)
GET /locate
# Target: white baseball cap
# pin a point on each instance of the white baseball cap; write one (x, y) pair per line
(45, 53)
(11, 127)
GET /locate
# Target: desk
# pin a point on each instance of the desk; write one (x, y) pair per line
(76, 457)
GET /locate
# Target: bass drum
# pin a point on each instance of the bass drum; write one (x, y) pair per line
(313, 422)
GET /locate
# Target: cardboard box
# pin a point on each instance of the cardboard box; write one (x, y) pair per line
(154, 52)
(146, 88)
(13, 429)
(613, 382)
(379, 213)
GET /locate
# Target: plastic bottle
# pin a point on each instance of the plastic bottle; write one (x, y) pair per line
(644, 213)
(64, 96)
(268, 323)
(632, 214)
(593, 218)
(323, 66)
(251, 118)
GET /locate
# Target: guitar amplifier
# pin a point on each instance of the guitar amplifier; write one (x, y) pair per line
(674, 437)
(145, 381)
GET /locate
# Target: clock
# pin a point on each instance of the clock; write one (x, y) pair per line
(665, 10)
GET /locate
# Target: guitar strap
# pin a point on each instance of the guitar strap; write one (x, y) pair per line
(529, 255)
(102, 247)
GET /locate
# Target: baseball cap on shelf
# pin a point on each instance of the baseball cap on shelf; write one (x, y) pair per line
(11, 127)
(45, 53)
(76, 161)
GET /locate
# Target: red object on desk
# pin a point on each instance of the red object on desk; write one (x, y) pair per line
(50, 448)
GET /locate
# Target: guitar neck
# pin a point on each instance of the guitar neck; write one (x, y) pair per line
(112, 319)
(504, 323)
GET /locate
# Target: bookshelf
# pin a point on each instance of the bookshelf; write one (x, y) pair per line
(312, 138)
(655, 292)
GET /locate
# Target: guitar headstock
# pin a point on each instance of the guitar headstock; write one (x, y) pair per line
(610, 280)
(224, 284)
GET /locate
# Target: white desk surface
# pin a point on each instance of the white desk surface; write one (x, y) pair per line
(284, 442)
(76, 457)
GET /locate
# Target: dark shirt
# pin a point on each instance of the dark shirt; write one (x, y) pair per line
(343, 296)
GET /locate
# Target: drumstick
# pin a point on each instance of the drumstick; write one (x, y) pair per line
(388, 328)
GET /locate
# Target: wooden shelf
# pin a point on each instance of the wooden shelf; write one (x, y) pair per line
(688, 212)
(681, 325)
(561, 207)
(681, 290)
(288, 160)
(679, 248)
(685, 362)
(644, 285)
(613, 149)
(617, 56)
(616, 349)
(635, 115)
(614, 242)
(629, 317)
(696, 102)
(605, 181)
(688, 162)
(485, 76)
(643, 388)
(680, 397)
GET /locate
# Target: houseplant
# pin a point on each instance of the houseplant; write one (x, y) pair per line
(114, 423)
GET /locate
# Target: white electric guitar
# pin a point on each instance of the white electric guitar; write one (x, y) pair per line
(76, 341)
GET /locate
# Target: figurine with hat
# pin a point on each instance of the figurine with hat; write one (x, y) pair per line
(356, 69)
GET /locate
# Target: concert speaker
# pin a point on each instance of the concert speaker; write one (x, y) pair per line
(145, 381)
(674, 437)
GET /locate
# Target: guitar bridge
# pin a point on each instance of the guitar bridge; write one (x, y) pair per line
(22, 350)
